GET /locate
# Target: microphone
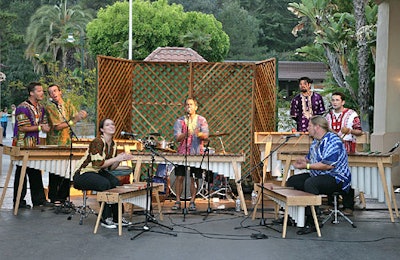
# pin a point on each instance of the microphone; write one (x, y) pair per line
(394, 147)
(290, 136)
(123, 133)
(53, 101)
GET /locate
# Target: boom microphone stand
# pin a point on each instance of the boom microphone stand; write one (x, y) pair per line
(261, 164)
(208, 178)
(68, 203)
(147, 212)
(187, 171)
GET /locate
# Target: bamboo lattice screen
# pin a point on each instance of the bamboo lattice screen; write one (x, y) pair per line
(147, 97)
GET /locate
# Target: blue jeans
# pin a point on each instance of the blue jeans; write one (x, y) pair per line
(4, 125)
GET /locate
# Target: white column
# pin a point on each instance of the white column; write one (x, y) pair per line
(386, 131)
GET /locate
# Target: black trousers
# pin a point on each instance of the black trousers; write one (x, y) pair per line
(321, 184)
(36, 185)
(101, 181)
(58, 188)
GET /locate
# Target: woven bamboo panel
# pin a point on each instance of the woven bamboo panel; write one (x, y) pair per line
(265, 92)
(230, 97)
(114, 96)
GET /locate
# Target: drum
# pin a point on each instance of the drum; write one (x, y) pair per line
(162, 175)
(165, 146)
(172, 187)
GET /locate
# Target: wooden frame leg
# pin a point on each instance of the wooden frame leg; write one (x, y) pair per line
(99, 217)
(119, 217)
(314, 215)
(285, 218)
(159, 205)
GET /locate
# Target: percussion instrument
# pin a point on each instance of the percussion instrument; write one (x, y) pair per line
(370, 174)
(228, 165)
(134, 193)
(217, 134)
(49, 158)
(172, 188)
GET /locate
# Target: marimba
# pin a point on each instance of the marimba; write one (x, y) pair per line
(293, 202)
(370, 174)
(134, 193)
(229, 165)
(55, 159)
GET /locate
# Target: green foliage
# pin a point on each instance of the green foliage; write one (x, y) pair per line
(155, 24)
(276, 22)
(82, 96)
(48, 31)
(242, 29)
(335, 33)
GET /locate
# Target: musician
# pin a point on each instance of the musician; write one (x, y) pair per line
(30, 120)
(61, 115)
(344, 121)
(190, 131)
(328, 168)
(306, 104)
(92, 171)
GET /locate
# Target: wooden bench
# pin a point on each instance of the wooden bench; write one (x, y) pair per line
(134, 193)
(292, 200)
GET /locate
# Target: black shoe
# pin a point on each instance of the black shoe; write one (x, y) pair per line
(279, 221)
(44, 205)
(23, 205)
(306, 230)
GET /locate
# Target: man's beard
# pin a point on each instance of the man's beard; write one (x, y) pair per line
(303, 90)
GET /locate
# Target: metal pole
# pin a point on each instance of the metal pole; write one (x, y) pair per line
(130, 31)
(82, 58)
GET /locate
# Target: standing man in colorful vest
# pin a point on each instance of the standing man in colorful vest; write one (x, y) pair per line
(344, 121)
(305, 105)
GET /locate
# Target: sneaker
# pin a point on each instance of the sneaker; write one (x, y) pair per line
(348, 212)
(124, 222)
(108, 223)
(192, 206)
(176, 206)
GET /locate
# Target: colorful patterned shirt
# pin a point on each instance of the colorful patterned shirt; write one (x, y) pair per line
(347, 118)
(59, 137)
(330, 150)
(194, 144)
(28, 115)
(95, 156)
(303, 108)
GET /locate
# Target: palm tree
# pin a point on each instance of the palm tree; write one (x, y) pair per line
(345, 45)
(47, 33)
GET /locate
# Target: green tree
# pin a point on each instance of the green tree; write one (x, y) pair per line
(8, 39)
(336, 33)
(155, 24)
(243, 30)
(276, 24)
(47, 34)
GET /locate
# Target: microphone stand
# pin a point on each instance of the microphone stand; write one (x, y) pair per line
(187, 172)
(68, 203)
(148, 210)
(261, 164)
(208, 177)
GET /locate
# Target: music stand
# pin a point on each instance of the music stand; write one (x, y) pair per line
(261, 164)
(149, 218)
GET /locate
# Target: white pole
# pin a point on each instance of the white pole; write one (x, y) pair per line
(130, 30)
